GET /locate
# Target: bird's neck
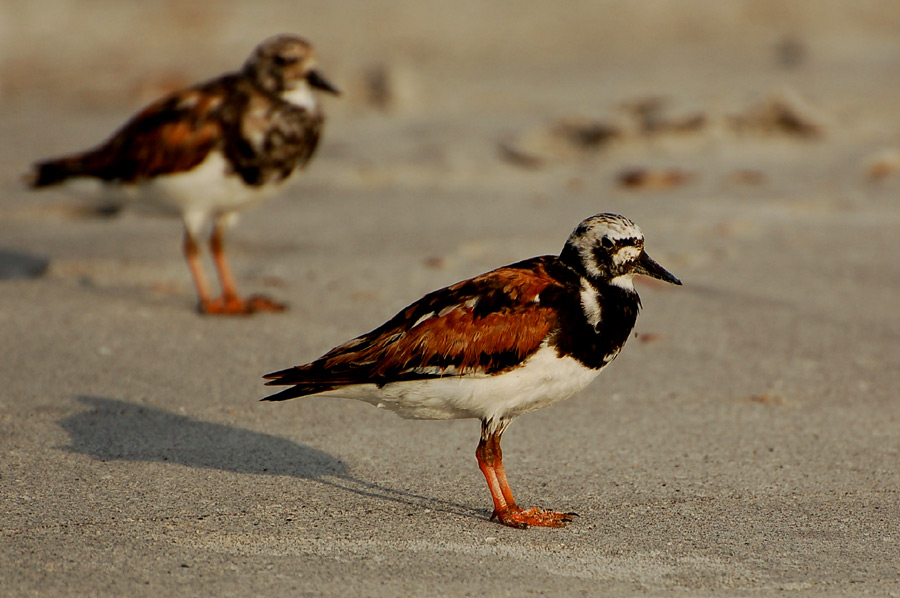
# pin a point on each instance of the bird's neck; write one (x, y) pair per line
(301, 96)
(598, 333)
(601, 300)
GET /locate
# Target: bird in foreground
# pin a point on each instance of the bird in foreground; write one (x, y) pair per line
(210, 150)
(493, 347)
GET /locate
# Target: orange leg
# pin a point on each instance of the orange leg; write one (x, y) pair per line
(494, 441)
(506, 511)
(230, 303)
(486, 462)
(192, 255)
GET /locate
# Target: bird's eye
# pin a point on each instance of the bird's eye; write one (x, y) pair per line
(281, 60)
(606, 242)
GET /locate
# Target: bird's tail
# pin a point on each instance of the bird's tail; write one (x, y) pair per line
(55, 171)
(300, 390)
(301, 384)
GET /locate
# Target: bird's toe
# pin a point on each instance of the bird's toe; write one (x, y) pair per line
(521, 518)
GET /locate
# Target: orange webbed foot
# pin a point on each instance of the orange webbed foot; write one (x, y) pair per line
(233, 306)
(263, 303)
(522, 518)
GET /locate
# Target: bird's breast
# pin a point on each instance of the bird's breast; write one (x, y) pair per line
(209, 189)
(594, 331)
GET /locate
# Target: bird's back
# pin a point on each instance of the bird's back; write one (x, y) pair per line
(261, 137)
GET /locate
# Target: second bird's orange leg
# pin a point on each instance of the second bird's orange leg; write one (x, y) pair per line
(230, 303)
(192, 256)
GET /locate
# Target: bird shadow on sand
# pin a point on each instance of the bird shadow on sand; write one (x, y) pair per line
(116, 430)
(21, 265)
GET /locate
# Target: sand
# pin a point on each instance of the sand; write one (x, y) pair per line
(746, 442)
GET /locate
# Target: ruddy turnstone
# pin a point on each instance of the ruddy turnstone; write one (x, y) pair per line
(212, 149)
(493, 347)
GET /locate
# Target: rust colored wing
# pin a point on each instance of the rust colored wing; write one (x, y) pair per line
(485, 325)
(171, 135)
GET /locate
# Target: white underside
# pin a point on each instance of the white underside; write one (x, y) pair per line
(206, 192)
(544, 379)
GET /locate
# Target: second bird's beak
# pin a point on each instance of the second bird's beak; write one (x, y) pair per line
(316, 79)
(647, 266)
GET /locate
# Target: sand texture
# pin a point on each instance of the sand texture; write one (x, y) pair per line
(746, 442)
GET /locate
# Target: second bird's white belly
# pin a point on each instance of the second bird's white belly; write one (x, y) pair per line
(206, 191)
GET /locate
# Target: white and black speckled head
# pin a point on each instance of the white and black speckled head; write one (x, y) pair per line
(609, 248)
(286, 63)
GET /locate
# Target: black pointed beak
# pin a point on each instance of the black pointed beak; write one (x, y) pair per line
(316, 79)
(647, 266)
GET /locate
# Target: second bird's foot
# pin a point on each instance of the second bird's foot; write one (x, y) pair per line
(263, 303)
(234, 306)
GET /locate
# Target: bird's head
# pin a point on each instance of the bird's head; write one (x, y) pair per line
(286, 63)
(609, 249)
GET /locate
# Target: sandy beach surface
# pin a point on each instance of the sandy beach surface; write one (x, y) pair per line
(746, 441)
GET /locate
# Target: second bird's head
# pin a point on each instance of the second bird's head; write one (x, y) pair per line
(283, 63)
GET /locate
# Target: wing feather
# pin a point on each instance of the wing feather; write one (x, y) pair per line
(171, 135)
(480, 326)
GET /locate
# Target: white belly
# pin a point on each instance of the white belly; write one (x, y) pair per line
(206, 191)
(543, 380)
